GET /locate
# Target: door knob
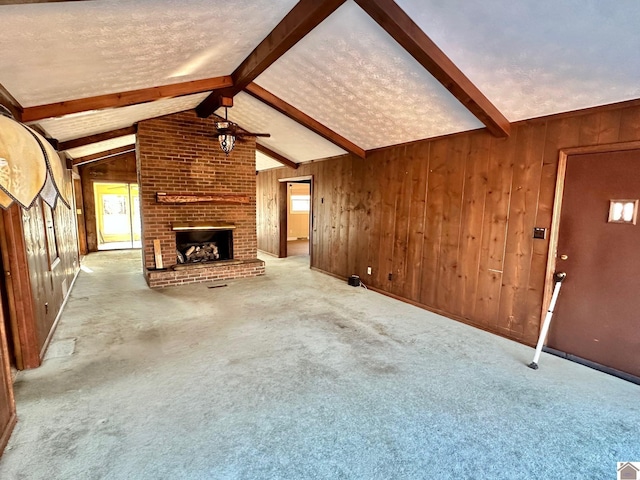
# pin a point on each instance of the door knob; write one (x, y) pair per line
(564, 257)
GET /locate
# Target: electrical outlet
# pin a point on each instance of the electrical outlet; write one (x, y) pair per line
(391, 276)
(368, 270)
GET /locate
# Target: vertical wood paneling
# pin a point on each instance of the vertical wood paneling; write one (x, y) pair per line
(522, 215)
(325, 220)
(448, 283)
(494, 231)
(474, 196)
(358, 230)
(376, 165)
(453, 218)
(434, 219)
(37, 284)
(387, 214)
(418, 160)
(402, 189)
(560, 134)
(629, 125)
(609, 126)
(340, 250)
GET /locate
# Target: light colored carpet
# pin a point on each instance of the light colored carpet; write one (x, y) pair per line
(296, 375)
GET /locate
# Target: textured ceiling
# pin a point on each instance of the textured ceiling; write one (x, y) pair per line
(263, 162)
(538, 57)
(59, 51)
(90, 123)
(351, 76)
(530, 58)
(288, 138)
(102, 146)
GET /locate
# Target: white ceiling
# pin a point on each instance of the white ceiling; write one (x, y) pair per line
(351, 76)
(99, 121)
(288, 138)
(264, 162)
(537, 57)
(82, 49)
(102, 146)
(530, 58)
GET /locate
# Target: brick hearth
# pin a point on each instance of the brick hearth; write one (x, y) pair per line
(179, 155)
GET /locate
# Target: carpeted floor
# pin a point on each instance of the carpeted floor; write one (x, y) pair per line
(296, 375)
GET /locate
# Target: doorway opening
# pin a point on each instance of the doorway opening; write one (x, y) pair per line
(296, 217)
(117, 215)
(298, 214)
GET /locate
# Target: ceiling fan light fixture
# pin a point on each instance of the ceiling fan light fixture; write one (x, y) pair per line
(225, 134)
(227, 142)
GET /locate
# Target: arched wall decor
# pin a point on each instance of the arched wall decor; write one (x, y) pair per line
(29, 167)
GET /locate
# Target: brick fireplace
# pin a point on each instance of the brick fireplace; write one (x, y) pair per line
(195, 199)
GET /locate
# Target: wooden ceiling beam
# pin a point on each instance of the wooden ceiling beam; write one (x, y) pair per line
(99, 137)
(8, 101)
(276, 156)
(124, 99)
(111, 154)
(303, 119)
(409, 35)
(304, 17)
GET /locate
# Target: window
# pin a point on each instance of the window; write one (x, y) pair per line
(623, 211)
(300, 203)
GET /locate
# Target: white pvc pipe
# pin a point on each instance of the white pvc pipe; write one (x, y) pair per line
(545, 326)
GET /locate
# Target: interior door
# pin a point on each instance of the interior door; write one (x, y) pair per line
(597, 316)
(7, 404)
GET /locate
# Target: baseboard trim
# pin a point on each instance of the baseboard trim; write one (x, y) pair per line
(596, 366)
(429, 309)
(6, 435)
(43, 350)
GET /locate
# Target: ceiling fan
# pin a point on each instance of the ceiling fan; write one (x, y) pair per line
(228, 131)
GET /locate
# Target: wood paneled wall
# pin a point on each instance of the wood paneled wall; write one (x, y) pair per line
(448, 223)
(38, 283)
(122, 169)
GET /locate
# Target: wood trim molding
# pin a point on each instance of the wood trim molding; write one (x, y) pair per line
(296, 179)
(99, 137)
(303, 119)
(554, 233)
(114, 152)
(4, 438)
(276, 156)
(282, 219)
(304, 17)
(123, 99)
(409, 35)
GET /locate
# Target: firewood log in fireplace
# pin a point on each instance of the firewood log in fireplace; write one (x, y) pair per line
(205, 252)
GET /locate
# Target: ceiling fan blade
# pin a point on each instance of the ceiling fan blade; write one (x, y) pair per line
(250, 134)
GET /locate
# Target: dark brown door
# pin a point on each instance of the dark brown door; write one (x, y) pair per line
(597, 316)
(7, 405)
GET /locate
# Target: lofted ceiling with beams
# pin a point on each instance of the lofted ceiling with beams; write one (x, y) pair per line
(82, 49)
(349, 76)
(331, 77)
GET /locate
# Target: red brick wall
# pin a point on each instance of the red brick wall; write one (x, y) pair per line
(179, 153)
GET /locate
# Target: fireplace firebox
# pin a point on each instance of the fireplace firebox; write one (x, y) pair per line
(199, 244)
